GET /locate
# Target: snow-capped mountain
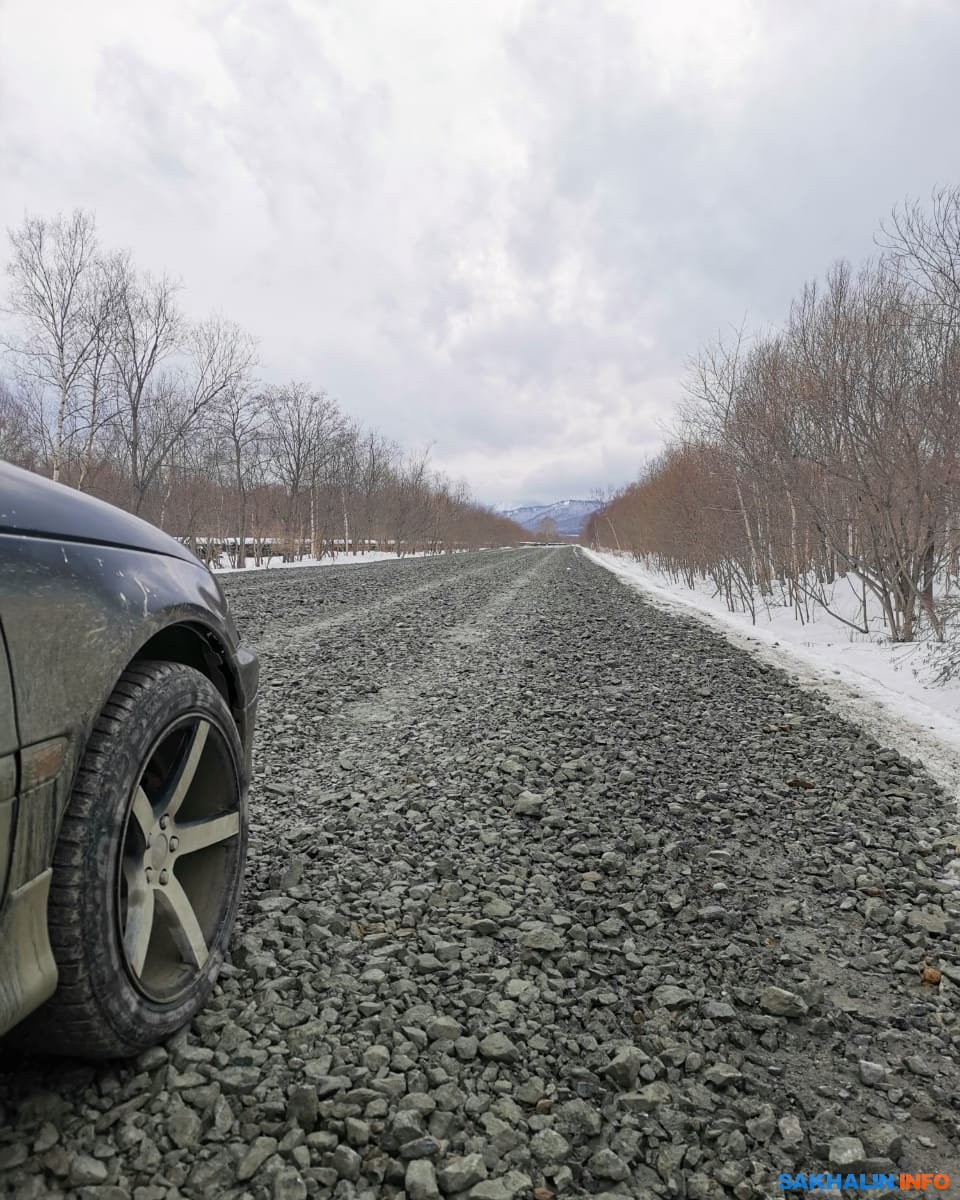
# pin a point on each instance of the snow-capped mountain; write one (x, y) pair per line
(569, 516)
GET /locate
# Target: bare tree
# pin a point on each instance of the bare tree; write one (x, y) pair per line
(49, 280)
(239, 424)
(713, 384)
(347, 472)
(923, 242)
(408, 495)
(16, 440)
(107, 281)
(149, 332)
(298, 420)
(834, 445)
(112, 389)
(168, 373)
(377, 455)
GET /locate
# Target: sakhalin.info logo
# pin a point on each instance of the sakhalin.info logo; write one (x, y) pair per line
(900, 1181)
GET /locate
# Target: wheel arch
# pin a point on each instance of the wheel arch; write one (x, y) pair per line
(195, 645)
(189, 642)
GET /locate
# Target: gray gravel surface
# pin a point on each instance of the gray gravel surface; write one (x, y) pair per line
(551, 891)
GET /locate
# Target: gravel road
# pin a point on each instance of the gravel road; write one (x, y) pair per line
(551, 891)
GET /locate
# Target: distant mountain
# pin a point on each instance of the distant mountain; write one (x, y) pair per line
(569, 516)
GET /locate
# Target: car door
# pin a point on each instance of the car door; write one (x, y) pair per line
(8, 766)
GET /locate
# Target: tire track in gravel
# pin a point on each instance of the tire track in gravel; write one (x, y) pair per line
(461, 614)
(383, 599)
(529, 854)
(364, 612)
(396, 703)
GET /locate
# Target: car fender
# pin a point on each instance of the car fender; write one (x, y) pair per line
(75, 615)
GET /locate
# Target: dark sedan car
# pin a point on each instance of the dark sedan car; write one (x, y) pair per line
(126, 719)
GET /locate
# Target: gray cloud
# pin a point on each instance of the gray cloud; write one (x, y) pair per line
(496, 228)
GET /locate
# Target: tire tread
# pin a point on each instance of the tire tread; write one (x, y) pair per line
(73, 1021)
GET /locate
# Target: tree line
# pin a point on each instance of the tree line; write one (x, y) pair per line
(110, 388)
(824, 453)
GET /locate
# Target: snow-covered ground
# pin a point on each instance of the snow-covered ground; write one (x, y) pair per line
(341, 560)
(885, 688)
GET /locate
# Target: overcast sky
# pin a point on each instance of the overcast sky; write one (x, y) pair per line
(496, 227)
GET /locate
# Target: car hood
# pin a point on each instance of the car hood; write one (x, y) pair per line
(36, 507)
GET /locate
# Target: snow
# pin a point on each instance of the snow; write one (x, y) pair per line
(341, 560)
(886, 688)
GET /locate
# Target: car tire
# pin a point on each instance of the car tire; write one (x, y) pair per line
(148, 866)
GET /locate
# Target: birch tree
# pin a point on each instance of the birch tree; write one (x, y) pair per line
(239, 425)
(49, 273)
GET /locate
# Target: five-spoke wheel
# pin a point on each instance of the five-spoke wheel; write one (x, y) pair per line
(149, 865)
(174, 859)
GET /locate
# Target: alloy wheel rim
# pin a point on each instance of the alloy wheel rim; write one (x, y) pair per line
(178, 858)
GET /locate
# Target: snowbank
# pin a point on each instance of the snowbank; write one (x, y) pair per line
(342, 560)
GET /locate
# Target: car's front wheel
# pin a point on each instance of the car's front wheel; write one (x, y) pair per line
(148, 866)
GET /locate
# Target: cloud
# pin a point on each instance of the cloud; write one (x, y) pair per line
(499, 229)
